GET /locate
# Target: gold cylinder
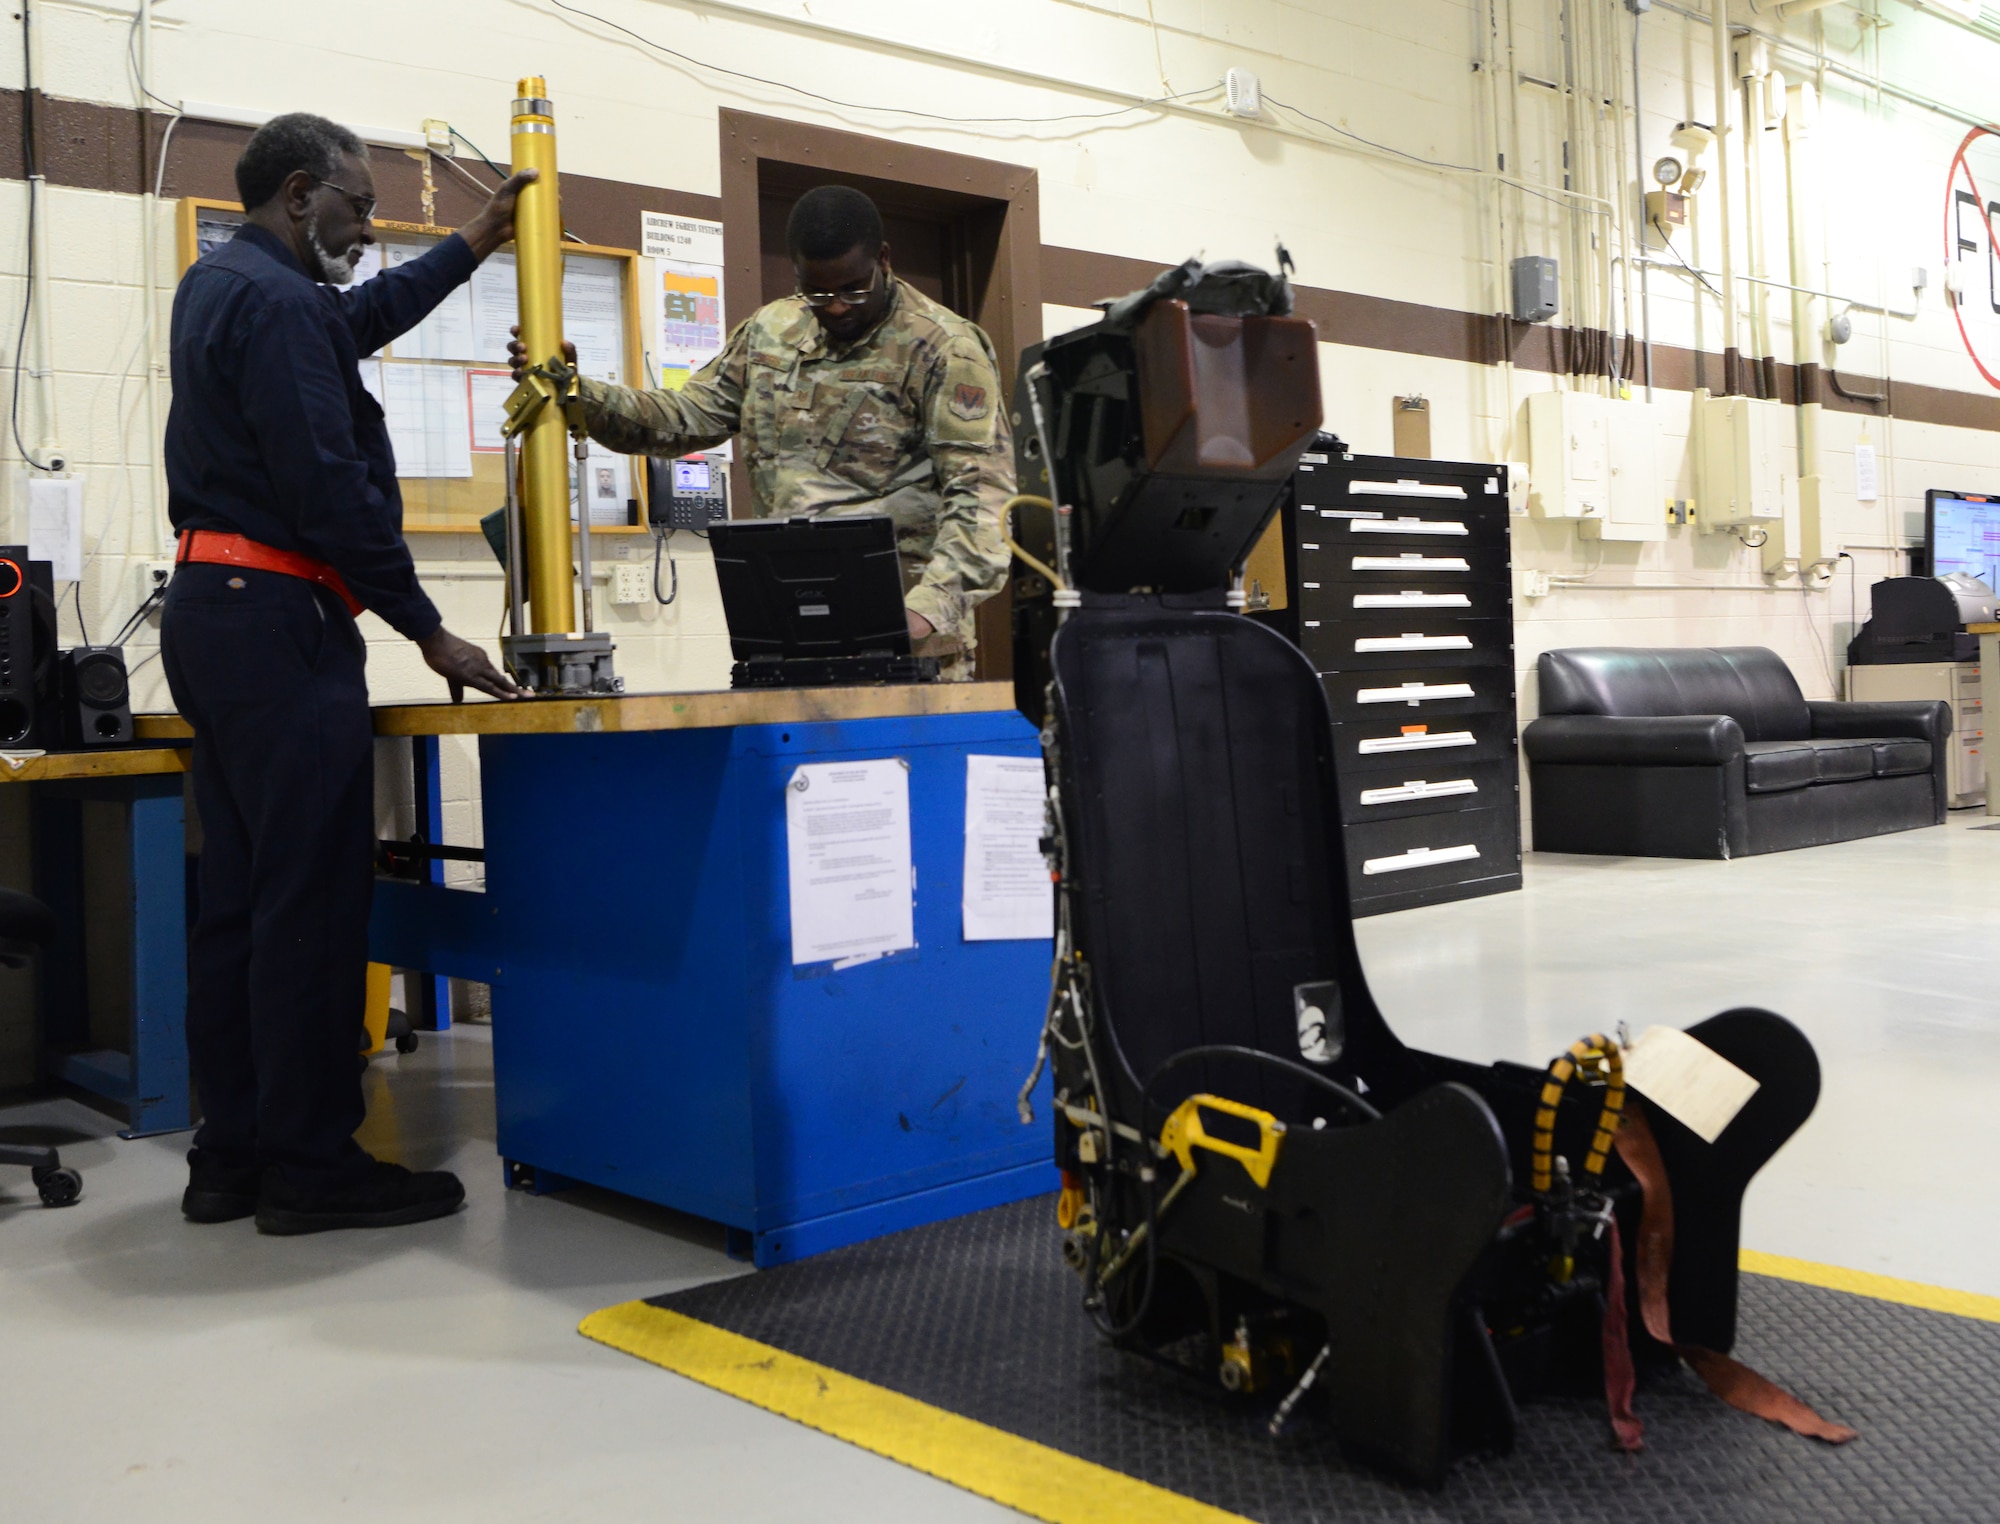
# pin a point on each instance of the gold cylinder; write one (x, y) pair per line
(545, 456)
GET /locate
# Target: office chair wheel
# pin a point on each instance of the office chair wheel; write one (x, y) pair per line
(407, 1043)
(59, 1187)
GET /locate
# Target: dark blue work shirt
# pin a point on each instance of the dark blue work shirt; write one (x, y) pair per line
(271, 433)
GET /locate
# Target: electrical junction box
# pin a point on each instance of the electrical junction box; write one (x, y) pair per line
(1739, 461)
(1537, 289)
(1666, 214)
(1597, 460)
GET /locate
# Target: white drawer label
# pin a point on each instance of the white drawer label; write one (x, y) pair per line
(1374, 746)
(1410, 598)
(1371, 644)
(1405, 792)
(1420, 857)
(1414, 560)
(1405, 526)
(1413, 693)
(1405, 488)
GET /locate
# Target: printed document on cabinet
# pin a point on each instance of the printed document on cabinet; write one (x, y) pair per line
(847, 830)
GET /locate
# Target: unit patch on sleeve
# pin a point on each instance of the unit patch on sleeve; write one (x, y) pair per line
(969, 402)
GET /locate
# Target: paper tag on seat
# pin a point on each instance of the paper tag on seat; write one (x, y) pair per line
(1688, 1080)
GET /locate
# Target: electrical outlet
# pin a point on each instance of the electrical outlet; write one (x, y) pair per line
(437, 134)
(1534, 584)
(154, 576)
(631, 583)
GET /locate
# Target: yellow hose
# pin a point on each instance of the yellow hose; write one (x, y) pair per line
(1596, 1047)
(1026, 500)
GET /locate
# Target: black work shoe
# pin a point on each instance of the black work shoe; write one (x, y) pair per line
(219, 1192)
(388, 1196)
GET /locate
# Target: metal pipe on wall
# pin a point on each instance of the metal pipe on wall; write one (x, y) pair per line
(1719, 37)
(1801, 120)
(1639, 190)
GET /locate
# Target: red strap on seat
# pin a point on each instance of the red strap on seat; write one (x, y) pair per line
(1731, 1380)
(211, 548)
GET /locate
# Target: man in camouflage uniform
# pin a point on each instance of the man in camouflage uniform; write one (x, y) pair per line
(858, 395)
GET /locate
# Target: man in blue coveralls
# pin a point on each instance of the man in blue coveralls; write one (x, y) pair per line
(282, 488)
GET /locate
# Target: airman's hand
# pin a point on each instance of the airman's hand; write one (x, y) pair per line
(517, 353)
(919, 626)
(462, 664)
(494, 225)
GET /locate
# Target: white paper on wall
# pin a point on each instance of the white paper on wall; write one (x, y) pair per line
(1866, 488)
(55, 525)
(847, 835)
(662, 235)
(495, 308)
(1007, 894)
(607, 486)
(447, 334)
(487, 392)
(593, 299)
(427, 414)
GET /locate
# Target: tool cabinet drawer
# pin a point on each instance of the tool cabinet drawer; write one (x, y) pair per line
(1326, 559)
(1404, 599)
(1425, 851)
(1415, 695)
(1433, 785)
(1356, 645)
(1394, 741)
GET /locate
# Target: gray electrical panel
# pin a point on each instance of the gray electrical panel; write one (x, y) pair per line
(1537, 292)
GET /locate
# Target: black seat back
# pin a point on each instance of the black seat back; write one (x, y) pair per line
(1750, 684)
(1203, 823)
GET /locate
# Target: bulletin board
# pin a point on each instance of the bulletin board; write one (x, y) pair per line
(442, 385)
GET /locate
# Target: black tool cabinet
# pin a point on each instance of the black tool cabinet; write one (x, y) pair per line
(1402, 597)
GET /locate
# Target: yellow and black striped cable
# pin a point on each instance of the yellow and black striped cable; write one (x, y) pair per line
(1593, 1051)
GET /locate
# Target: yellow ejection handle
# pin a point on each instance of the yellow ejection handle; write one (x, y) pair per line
(545, 449)
(1583, 1050)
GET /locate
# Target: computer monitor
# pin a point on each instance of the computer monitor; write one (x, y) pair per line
(826, 587)
(1962, 534)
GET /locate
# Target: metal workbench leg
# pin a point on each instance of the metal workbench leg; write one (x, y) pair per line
(63, 978)
(159, 1100)
(429, 994)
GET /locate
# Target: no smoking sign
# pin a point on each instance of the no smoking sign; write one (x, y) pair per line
(1972, 246)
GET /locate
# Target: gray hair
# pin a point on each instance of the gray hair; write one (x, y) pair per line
(287, 144)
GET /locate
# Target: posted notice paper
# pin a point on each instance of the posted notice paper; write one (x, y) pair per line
(847, 831)
(1008, 894)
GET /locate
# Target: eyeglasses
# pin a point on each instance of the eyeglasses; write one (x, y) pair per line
(364, 206)
(852, 298)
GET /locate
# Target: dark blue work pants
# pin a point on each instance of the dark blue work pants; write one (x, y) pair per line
(270, 671)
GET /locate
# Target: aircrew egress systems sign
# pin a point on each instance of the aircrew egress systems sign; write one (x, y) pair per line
(1972, 246)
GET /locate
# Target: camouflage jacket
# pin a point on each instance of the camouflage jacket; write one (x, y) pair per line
(907, 420)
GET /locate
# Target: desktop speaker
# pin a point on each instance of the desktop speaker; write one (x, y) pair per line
(92, 698)
(18, 650)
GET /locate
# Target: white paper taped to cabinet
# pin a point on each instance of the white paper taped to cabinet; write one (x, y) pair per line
(1688, 1080)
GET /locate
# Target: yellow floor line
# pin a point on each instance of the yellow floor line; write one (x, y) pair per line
(1883, 1288)
(1031, 1478)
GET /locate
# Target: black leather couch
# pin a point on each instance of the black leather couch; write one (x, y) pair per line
(1716, 753)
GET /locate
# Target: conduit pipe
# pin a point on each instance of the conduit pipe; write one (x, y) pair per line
(1719, 36)
(47, 447)
(149, 209)
(1801, 181)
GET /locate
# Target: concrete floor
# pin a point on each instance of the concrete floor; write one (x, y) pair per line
(164, 1371)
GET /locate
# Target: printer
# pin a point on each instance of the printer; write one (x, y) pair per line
(1923, 619)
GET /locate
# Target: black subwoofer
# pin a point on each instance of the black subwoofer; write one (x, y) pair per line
(17, 650)
(93, 699)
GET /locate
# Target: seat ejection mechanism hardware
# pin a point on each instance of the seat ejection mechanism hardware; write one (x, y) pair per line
(543, 649)
(1261, 1183)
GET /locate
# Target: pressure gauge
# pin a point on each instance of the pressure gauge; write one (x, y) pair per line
(1667, 169)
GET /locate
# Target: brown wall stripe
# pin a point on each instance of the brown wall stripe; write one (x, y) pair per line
(97, 147)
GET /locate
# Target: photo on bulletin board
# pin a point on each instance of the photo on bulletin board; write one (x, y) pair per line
(443, 385)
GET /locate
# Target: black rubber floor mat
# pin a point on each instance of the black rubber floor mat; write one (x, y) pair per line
(979, 1317)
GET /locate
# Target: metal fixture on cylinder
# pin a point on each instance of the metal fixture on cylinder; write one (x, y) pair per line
(544, 415)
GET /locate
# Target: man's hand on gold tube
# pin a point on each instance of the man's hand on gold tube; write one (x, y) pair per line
(494, 224)
(517, 354)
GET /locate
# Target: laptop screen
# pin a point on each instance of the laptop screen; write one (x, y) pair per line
(811, 587)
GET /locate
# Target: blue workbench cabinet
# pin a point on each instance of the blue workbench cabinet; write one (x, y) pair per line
(651, 1034)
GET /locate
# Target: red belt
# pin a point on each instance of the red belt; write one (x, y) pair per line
(205, 545)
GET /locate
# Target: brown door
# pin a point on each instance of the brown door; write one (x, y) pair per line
(963, 231)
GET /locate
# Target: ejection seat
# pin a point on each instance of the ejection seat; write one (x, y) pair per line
(1260, 1180)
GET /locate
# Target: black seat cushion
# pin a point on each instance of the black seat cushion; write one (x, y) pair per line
(1750, 684)
(1899, 757)
(1773, 767)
